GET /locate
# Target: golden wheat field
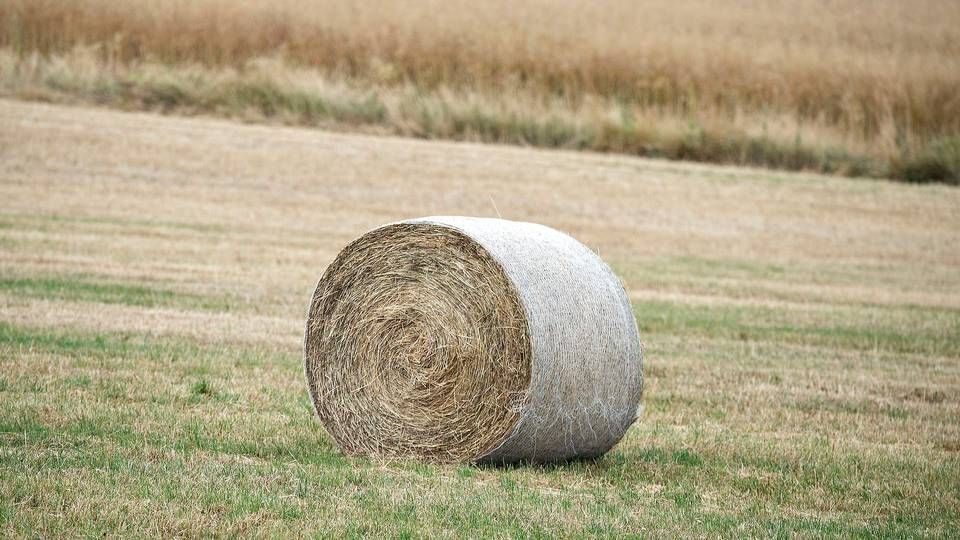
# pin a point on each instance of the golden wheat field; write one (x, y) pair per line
(855, 87)
(802, 338)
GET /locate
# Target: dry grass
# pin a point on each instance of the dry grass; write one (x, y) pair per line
(857, 87)
(801, 331)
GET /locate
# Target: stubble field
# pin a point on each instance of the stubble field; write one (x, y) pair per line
(802, 337)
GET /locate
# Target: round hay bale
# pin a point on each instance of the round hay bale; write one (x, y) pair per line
(470, 339)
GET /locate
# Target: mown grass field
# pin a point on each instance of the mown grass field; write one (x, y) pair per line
(849, 87)
(802, 338)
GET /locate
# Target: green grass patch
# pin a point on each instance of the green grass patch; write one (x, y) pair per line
(36, 221)
(937, 334)
(84, 288)
(89, 347)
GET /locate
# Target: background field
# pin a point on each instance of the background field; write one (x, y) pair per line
(802, 337)
(856, 87)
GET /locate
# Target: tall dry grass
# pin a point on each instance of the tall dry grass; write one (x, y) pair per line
(874, 78)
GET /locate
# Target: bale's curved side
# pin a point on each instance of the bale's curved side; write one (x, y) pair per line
(586, 366)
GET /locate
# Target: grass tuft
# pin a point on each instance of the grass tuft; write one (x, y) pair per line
(201, 388)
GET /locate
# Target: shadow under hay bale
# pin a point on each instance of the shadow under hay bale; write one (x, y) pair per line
(470, 339)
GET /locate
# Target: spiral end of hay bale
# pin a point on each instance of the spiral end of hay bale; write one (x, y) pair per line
(417, 345)
(458, 339)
